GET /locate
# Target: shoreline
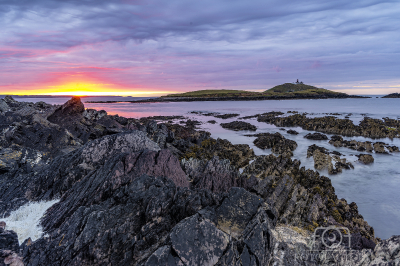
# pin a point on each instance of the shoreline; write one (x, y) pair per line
(258, 98)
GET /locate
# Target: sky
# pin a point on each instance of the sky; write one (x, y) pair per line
(156, 47)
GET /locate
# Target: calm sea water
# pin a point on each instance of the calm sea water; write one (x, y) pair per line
(374, 188)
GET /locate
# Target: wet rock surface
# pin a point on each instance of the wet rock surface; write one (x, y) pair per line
(368, 127)
(239, 126)
(292, 132)
(239, 155)
(316, 136)
(226, 116)
(365, 158)
(169, 194)
(276, 142)
(325, 160)
(363, 146)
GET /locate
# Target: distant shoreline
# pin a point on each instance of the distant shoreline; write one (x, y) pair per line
(249, 98)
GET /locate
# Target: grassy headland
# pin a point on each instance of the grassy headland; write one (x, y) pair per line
(280, 92)
(285, 90)
(392, 95)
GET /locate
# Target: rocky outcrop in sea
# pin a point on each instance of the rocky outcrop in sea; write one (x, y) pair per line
(276, 142)
(138, 192)
(368, 127)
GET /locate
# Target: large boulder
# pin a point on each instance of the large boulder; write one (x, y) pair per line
(365, 158)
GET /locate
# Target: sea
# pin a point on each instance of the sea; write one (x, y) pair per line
(375, 188)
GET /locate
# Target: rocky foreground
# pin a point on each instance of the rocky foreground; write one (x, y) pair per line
(138, 192)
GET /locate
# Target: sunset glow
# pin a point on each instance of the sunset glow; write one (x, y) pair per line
(127, 48)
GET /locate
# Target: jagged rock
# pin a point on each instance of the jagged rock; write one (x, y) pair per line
(56, 130)
(216, 175)
(9, 99)
(198, 242)
(316, 136)
(387, 251)
(236, 211)
(322, 160)
(181, 139)
(124, 223)
(276, 142)
(70, 108)
(378, 147)
(94, 115)
(99, 149)
(8, 239)
(311, 149)
(293, 132)
(139, 154)
(17, 157)
(300, 197)
(368, 127)
(163, 257)
(212, 122)
(239, 125)
(4, 106)
(365, 158)
(239, 155)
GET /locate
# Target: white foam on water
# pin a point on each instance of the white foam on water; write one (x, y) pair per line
(25, 221)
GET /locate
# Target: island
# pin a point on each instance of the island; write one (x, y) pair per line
(392, 95)
(284, 91)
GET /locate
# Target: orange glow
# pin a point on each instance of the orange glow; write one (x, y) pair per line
(88, 89)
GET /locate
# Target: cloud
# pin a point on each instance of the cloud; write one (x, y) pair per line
(230, 44)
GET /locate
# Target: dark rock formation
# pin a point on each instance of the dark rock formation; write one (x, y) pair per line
(226, 116)
(238, 126)
(239, 155)
(8, 239)
(365, 158)
(392, 95)
(322, 160)
(292, 132)
(378, 147)
(144, 156)
(302, 198)
(197, 241)
(215, 175)
(368, 127)
(212, 122)
(276, 142)
(52, 130)
(316, 136)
